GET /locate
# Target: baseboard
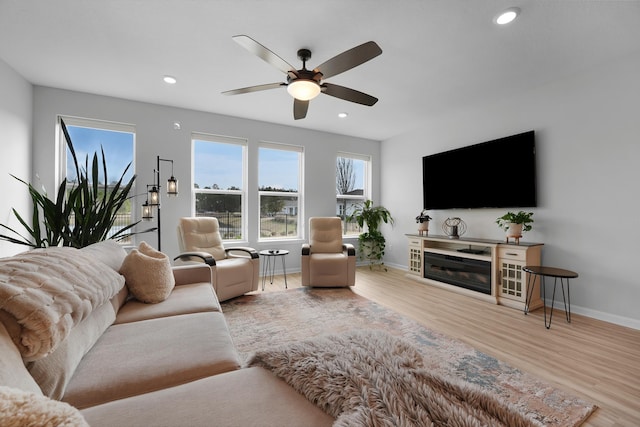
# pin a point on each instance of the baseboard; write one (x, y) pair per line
(600, 315)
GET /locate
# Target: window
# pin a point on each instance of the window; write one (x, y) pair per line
(219, 177)
(117, 141)
(279, 184)
(352, 187)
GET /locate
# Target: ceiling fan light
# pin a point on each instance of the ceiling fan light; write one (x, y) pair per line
(304, 90)
(507, 16)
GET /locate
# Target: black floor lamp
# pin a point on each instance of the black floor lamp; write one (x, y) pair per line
(153, 196)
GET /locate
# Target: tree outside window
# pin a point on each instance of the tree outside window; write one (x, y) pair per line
(352, 188)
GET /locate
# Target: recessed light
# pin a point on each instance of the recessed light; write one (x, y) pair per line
(343, 115)
(177, 126)
(170, 80)
(507, 16)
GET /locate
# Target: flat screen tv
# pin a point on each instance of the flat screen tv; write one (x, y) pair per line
(495, 174)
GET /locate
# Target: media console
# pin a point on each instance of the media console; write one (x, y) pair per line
(487, 269)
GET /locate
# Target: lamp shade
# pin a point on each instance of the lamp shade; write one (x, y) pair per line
(147, 211)
(172, 186)
(153, 198)
(303, 89)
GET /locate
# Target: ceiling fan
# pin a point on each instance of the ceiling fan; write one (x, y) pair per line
(304, 84)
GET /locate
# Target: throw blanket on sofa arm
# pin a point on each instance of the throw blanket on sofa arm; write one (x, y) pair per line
(370, 378)
(44, 293)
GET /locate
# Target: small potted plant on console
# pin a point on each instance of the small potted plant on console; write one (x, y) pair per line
(423, 222)
(515, 224)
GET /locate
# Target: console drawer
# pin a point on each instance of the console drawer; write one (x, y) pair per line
(415, 242)
(515, 254)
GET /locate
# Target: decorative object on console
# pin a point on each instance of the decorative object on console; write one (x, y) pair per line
(454, 227)
(153, 195)
(423, 222)
(515, 224)
(371, 242)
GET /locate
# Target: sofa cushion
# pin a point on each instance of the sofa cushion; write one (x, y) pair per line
(24, 408)
(139, 357)
(246, 397)
(148, 274)
(13, 373)
(52, 373)
(184, 299)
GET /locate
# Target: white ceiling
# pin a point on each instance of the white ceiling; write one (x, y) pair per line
(438, 55)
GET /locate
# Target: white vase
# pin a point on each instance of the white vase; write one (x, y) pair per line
(423, 228)
(515, 231)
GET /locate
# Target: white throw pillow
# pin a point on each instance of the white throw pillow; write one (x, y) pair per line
(148, 274)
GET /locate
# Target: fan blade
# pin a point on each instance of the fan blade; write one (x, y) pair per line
(257, 49)
(348, 94)
(300, 109)
(254, 88)
(349, 59)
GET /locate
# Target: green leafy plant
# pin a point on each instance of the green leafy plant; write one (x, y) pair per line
(371, 244)
(522, 217)
(79, 216)
(423, 217)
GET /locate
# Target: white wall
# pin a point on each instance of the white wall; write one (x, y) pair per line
(588, 150)
(15, 151)
(155, 136)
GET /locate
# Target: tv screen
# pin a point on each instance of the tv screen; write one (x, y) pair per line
(495, 174)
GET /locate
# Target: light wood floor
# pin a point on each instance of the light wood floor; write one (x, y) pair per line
(595, 360)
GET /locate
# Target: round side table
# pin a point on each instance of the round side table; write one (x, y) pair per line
(557, 273)
(269, 264)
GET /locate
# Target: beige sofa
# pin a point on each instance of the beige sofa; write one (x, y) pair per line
(129, 363)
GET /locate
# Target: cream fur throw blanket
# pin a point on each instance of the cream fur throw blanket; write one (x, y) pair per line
(20, 408)
(370, 378)
(45, 292)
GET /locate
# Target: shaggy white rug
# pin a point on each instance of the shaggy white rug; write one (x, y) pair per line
(370, 378)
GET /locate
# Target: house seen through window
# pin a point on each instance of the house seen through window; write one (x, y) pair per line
(279, 190)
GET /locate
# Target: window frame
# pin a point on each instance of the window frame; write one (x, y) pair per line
(101, 125)
(299, 194)
(220, 139)
(366, 191)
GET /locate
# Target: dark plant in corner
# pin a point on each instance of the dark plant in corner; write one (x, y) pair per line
(522, 217)
(93, 207)
(371, 244)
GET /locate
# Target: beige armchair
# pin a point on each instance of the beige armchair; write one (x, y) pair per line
(326, 260)
(234, 270)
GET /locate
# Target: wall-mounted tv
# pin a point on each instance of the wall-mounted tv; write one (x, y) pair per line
(495, 174)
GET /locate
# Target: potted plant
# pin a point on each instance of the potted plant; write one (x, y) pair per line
(78, 216)
(423, 222)
(371, 243)
(515, 224)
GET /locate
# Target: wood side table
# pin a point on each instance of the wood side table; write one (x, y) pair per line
(556, 273)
